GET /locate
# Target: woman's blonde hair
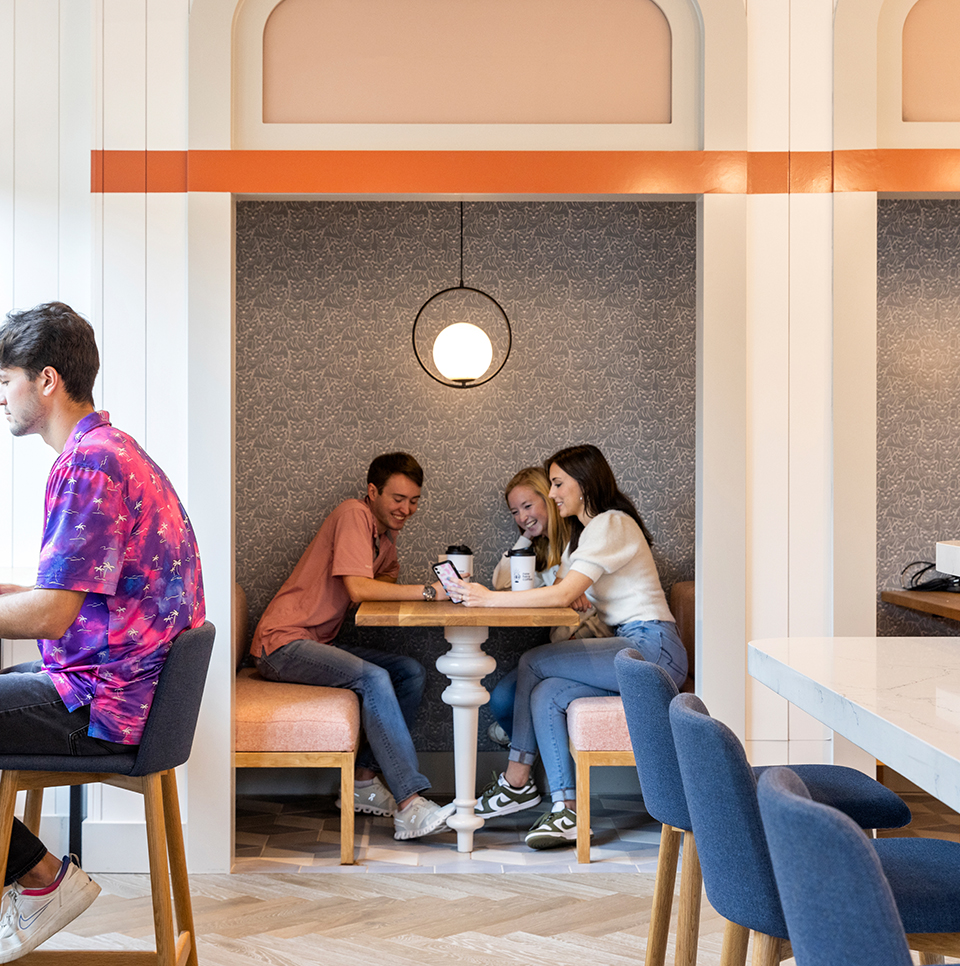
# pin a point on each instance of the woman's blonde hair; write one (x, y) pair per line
(548, 546)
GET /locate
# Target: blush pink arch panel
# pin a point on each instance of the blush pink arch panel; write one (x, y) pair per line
(931, 71)
(467, 62)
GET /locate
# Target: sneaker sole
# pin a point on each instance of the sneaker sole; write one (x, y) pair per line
(367, 810)
(509, 809)
(81, 901)
(545, 841)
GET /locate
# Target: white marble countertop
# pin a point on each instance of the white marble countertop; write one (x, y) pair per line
(898, 698)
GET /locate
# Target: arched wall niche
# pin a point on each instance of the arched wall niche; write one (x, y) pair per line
(425, 114)
(915, 108)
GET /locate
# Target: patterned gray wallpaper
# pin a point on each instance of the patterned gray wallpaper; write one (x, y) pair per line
(918, 396)
(601, 298)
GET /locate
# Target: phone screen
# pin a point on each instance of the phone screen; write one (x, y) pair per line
(445, 571)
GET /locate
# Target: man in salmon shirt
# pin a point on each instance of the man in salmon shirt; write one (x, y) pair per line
(353, 558)
(118, 580)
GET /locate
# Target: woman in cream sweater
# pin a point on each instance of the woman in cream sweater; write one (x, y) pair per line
(608, 559)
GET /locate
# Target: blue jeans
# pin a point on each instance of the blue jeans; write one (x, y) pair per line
(35, 721)
(390, 687)
(553, 675)
(502, 699)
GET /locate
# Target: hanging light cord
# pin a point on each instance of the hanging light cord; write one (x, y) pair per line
(461, 244)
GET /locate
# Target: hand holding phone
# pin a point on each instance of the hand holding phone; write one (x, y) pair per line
(446, 573)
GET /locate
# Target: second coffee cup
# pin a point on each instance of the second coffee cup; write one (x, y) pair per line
(523, 568)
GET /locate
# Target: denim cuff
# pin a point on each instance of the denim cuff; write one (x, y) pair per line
(563, 795)
(523, 757)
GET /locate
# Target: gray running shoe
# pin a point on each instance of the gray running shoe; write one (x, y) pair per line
(496, 733)
(421, 817)
(499, 798)
(372, 799)
(557, 827)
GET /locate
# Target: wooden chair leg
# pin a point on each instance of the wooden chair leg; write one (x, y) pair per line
(766, 950)
(32, 809)
(582, 762)
(8, 802)
(347, 817)
(662, 895)
(180, 881)
(691, 894)
(930, 959)
(735, 941)
(159, 871)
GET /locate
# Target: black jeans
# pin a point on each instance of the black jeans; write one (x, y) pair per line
(35, 721)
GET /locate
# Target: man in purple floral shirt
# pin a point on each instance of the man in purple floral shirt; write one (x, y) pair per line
(118, 580)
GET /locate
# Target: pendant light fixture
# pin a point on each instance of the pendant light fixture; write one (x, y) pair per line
(461, 335)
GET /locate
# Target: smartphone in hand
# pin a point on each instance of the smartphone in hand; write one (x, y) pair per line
(446, 572)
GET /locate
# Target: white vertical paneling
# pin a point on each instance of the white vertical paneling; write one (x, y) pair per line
(124, 75)
(211, 508)
(721, 457)
(165, 396)
(7, 136)
(123, 352)
(768, 433)
(124, 218)
(811, 75)
(768, 98)
(36, 235)
(167, 50)
(76, 140)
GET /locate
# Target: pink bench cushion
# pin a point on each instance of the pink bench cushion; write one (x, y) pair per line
(272, 716)
(598, 724)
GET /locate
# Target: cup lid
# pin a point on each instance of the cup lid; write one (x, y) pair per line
(463, 550)
(522, 552)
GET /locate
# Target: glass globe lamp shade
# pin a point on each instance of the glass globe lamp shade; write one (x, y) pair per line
(462, 352)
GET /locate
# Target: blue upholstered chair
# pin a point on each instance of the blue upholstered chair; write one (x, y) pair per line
(721, 792)
(836, 900)
(148, 769)
(647, 690)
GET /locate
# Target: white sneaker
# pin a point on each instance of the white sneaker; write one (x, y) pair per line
(372, 799)
(31, 916)
(496, 733)
(421, 817)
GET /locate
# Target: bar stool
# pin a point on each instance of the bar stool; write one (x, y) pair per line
(149, 770)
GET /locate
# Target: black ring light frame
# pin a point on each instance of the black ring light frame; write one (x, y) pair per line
(462, 383)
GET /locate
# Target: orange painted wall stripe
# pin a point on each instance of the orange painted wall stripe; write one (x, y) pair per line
(525, 172)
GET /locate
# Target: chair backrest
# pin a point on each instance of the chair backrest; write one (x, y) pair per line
(172, 721)
(647, 690)
(721, 796)
(836, 899)
(683, 605)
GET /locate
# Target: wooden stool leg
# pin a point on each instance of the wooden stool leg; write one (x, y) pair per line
(8, 802)
(178, 862)
(735, 940)
(159, 871)
(663, 896)
(766, 949)
(691, 893)
(582, 762)
(347, 817)
(32, 809)
(930, 959)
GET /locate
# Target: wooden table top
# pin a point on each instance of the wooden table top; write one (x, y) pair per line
(442, 613)
(941, 603)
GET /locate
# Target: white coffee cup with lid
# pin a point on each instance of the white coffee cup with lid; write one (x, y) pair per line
(523, 567)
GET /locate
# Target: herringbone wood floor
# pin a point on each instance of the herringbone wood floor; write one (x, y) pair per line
(395, 919)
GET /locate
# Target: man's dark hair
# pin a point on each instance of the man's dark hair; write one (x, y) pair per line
(52, 335)
(383, 467)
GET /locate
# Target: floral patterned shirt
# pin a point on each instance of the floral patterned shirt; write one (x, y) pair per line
(114, 528)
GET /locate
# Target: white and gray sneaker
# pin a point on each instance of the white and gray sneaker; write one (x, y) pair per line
(500, 798)
(556, 827)
(372, 799)
(31, 916)
(421, 817)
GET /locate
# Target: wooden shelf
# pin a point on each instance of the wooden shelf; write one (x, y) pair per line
(941, 603)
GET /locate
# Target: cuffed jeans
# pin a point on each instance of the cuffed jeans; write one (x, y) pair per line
(390, 687)
(553, 675)
(35, 721)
